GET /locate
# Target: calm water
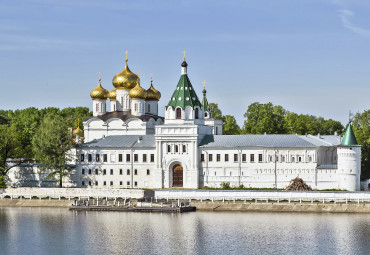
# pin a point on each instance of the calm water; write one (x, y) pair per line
(59, 231)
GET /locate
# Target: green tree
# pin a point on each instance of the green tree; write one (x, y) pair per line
(10, 147)
(51, 145)
(361, 126)
(230, 126)
(261, 118)
(215, 111)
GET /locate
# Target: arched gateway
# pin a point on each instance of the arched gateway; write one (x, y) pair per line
(177, 176)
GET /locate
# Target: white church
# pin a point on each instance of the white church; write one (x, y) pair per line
(131, 146)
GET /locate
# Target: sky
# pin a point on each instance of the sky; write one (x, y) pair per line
(310, 56)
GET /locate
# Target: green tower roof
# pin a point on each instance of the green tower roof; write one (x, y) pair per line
(205, 104)
(184, 95)
(349, 138)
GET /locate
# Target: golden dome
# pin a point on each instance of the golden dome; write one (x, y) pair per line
(125, 79)
(112, 94)
(78, 131)
(152, 93)
(138, 92)
(99, 92)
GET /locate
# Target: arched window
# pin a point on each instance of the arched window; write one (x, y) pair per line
(135, 107)
(205, 114)
(184, 148)
(176, 148)
(148, 107)
(97, 107)
(114, 107)
(178, 113)
(197, 113)
(122, 101)
(168, 148)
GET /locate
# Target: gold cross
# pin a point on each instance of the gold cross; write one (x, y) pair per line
(204, 84)
(151, 76)
(99, 76)
(184, 54)
(78, 122)
(126, 52)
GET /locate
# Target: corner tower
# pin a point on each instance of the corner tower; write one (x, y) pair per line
(184, 104)
(349, 161)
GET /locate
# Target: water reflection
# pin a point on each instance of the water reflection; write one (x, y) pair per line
(59, 231)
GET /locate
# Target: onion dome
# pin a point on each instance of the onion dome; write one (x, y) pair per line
(78, 131)
(99, 92)
(125, 79)
(152, 93)
(138, 92)
(112, 94)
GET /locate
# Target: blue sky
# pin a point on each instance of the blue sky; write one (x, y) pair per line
(310, 56)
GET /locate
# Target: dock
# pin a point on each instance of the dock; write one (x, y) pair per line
(133, 209)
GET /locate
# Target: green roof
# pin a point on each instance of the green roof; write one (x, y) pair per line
(349, 138)
(184, 95)
(205, 105)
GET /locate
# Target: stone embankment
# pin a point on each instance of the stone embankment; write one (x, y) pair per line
(283, 207)
(35, 203)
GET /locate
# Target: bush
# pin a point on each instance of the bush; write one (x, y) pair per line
(225, 185)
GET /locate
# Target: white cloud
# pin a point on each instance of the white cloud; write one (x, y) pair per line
(345, 16)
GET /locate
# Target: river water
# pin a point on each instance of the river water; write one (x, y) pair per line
(59, 231)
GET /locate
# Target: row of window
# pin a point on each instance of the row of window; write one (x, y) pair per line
(83, 183)
(128, 172)
(176, 148)
(252, 158)
(113, 158)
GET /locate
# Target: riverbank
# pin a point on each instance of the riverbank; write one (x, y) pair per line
(221, 206)
(283, 207)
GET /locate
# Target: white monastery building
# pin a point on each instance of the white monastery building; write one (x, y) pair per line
(132, 147)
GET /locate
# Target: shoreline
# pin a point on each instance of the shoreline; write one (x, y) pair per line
(238, 206)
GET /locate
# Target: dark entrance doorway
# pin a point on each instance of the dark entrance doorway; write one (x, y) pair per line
(177, 180)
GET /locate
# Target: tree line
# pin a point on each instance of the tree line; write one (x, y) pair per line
(44, 135)
(274, 119)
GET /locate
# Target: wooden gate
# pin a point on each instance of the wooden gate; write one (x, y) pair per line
(177, 180)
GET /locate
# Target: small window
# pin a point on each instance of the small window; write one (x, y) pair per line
(96, 171)
(176, 148)
(235, 157)
(184, 148)
(96, 183)
(120, 183)
(104, 171)
(148, 107)
(168, 148)
(83, 183)
(178, 113)
(82, 157)
(252, 157)
(260, 157)
(90, 157)
(216, 130)
(202, 157)
(226, 157)
(293, 159)
(151, 157)
(105, 183)
(128, 157)
(136, 157)
(144, 157)
(83, 171)
(105, 157)
(197, 113)
(111, 172)
(97, 158)
(128, 171)
(218, 157)
(89, 171)
(299, 159)
(147, 172)
(89, 183)
(270, 158)
(282, 158)
(210, 157)
(244, 157)
(111, 183)
(135, 172)
(119, 157)
(135, 184)
(120, 172)
(310, 159)
(128, 183)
